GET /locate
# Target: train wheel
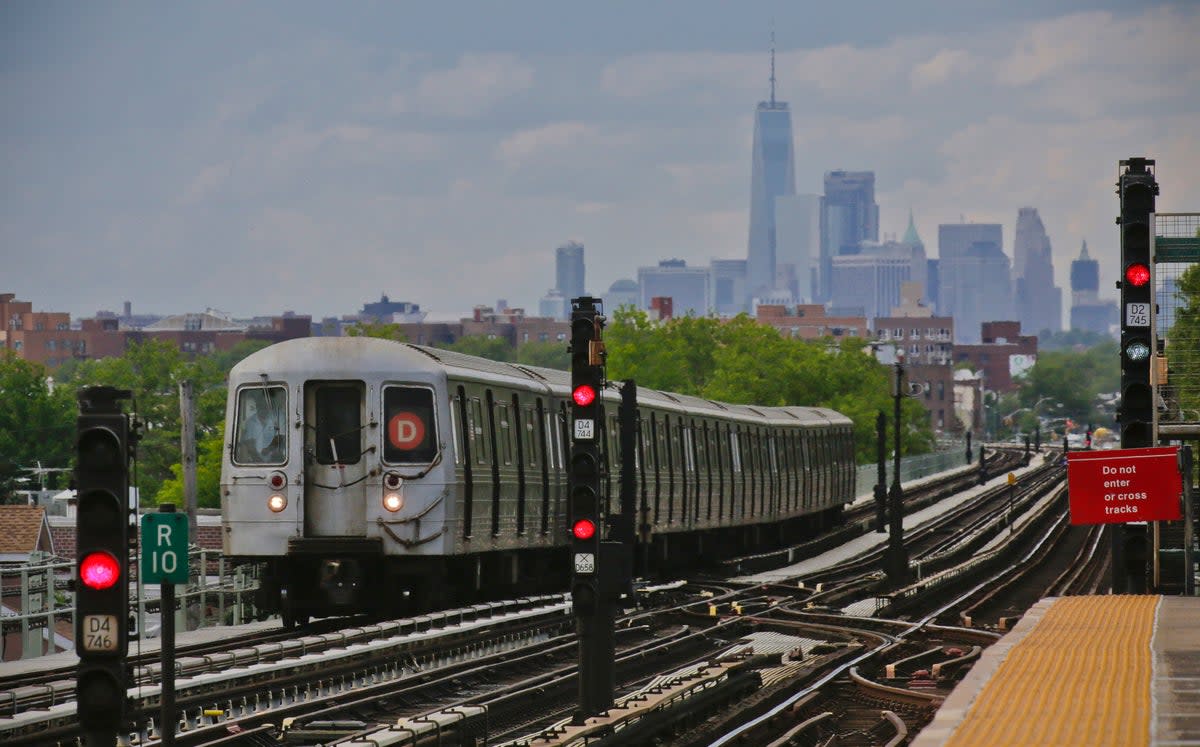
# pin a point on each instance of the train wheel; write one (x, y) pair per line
(287, 610)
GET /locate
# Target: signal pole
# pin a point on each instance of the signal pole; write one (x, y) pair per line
(101, 580)
(1137, 188)
(590, 598)
(896, 564)
(881, 476)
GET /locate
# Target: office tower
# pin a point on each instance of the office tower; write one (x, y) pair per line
(772, 175)
(849, 216)
(554, 305)
(728, 286)
(568, 269)
(974, 285)
(623, 292)
(871, 280)
(1038, 301)
(1088, 312)
(798, 233)
(687, 287)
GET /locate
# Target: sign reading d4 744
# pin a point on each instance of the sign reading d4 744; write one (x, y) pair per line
(1115, 487)
(164, 548)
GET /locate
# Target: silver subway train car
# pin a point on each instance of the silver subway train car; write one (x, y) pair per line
(380, 477)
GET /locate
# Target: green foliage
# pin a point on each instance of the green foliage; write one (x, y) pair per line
(388, 331)
(549, 354)
(1183, 341)
(1067, 383)
(492, 348)
(208, 473)
(37, 423)
(744, 362)
(1072, 339)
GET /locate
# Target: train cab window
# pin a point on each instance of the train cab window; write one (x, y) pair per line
(338, 438)
(411, 430)
(261, 418)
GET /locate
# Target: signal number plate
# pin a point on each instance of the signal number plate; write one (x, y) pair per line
(1137, 315)
(585, 429)
(99, 633)
(585, 562)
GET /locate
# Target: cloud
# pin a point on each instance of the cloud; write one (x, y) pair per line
(946, 64)
(524, 145)
(473, 86)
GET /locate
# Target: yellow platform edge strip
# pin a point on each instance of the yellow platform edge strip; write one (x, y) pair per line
(1080, 677)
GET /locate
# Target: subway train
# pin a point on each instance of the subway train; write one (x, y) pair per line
(379, 477)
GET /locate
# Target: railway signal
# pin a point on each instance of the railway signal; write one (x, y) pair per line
(102, 561)
(1137, 188)
(593, 610)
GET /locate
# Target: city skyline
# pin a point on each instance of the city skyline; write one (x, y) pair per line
(260, 166)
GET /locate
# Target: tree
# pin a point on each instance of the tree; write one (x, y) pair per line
(208, 473)
(385, 331)
(37, 421)
(492, 348)
(548, 354)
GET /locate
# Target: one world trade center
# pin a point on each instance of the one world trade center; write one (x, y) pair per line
(772, 175)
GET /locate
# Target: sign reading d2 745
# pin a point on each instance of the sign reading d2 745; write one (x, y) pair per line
(1113, 487)
(164, 548)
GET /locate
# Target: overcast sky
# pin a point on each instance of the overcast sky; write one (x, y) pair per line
(256, 157)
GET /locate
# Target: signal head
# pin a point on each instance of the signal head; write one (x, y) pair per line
(99, 570)
(583, 529)
(1137, 274)
(584, 395)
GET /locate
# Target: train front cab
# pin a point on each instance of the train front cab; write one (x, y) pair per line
(350, 474)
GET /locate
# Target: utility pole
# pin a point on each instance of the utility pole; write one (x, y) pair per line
(881, 476)
(187, 445)
(897, 557)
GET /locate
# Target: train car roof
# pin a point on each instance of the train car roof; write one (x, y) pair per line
(352, 357)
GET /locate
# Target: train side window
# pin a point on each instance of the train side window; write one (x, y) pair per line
(261, 418)
(456, 426)
(478, 442)
(735, 451)
(411, 430)
(689, 448)
(338, 437)
(504, 433)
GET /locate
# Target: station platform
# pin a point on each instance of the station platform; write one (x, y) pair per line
(1091, 670)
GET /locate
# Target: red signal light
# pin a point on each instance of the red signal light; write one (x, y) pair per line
(1137, 274)
(99, 570)
(584, 395)
(584, 529)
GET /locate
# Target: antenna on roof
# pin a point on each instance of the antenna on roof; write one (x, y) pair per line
(772, 63)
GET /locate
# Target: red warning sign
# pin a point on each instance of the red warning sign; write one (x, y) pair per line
(406, 430)
(1113, 487)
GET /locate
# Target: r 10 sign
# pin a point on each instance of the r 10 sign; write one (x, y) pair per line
(164, 548)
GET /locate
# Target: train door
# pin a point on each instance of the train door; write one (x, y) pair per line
(335, 468)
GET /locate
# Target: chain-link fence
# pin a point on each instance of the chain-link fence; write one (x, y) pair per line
(1180, 334)
(949, 455)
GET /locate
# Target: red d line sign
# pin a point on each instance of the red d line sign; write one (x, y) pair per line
(1114, 487)
(405, 430)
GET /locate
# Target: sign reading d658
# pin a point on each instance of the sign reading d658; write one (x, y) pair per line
(164, 548)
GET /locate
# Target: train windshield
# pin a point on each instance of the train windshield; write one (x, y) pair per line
(411, 433)
(261, 436)
(339, 423)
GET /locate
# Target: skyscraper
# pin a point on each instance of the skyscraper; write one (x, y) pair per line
(798, 233)
(1088, 312)
(772, 175)
(849, 215)
(568, 269)
(974, 277)
(1038, 301)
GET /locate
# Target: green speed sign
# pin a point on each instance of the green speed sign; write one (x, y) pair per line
(165, 548)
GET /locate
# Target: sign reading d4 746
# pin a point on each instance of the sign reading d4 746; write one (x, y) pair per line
(1115, 487)
(164, 548)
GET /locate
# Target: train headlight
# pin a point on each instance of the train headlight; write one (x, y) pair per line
(277, 503)
(393, 502)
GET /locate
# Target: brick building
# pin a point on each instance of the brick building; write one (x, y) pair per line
(511, 325)
(808, 322)
(1003, 354)
(928, 345)
(40, 336)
